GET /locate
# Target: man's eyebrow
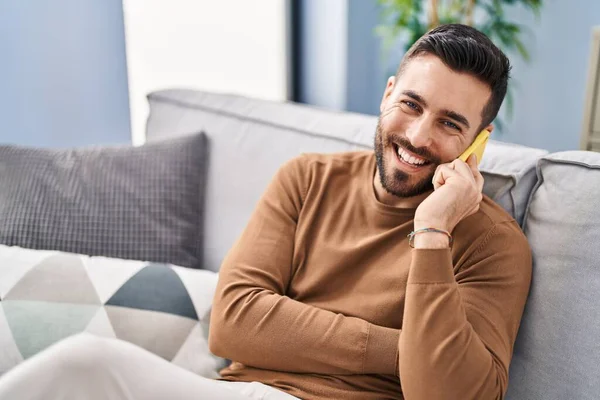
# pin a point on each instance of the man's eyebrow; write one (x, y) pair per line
(415, 96)
(457, 117)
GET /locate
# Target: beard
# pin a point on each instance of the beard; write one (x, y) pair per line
(400, 183)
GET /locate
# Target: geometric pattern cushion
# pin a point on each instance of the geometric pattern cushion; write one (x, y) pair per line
(46, 296)
(131, 202)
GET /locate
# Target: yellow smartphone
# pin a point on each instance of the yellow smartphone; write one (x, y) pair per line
(477, 147)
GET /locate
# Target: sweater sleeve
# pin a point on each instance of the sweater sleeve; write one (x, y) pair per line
(253, 322)
(458, 331)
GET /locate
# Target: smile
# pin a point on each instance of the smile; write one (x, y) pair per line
(408, 158)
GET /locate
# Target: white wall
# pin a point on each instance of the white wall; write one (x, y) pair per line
(235, 46)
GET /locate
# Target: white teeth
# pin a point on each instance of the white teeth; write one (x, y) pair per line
(408, 158)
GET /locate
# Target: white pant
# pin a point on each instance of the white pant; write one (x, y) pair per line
(93, 368)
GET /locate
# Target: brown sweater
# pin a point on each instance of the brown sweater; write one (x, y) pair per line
(322, 297)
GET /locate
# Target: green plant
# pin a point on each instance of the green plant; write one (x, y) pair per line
(408, 20)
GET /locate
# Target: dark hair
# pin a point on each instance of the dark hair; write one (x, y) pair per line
(465, 49)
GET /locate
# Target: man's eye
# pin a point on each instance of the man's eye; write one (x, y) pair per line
(451, 125)
(411, 105)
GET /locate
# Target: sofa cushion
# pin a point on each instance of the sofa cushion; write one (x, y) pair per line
(509, 173)
(142, 203)
(250, 139)
(46, 296)
(557, 354)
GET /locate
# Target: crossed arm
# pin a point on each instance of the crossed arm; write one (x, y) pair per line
(254, 323)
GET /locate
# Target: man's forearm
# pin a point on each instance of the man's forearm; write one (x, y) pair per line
(265, 330)
(442, 355)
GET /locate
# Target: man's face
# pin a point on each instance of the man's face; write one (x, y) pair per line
(429, 116)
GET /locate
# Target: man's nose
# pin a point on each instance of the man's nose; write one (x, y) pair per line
(419, 133)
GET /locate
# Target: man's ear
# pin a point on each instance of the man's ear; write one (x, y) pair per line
(489, 128)
(387, 93)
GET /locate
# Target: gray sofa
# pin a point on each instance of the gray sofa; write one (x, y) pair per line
(553, 196)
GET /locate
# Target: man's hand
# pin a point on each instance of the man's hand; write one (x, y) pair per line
(457, 194)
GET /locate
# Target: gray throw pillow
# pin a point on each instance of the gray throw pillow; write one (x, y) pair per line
(140, 203)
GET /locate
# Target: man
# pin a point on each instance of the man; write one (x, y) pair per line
(323, 297)
(359, 275)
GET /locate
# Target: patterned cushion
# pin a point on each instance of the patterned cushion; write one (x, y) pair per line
(46, 296)
(139, 203)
